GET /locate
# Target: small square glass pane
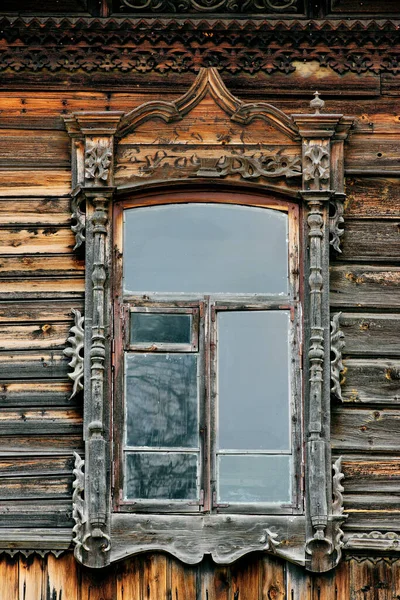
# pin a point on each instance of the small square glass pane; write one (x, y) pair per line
(254, 478)
(161, 328)
(161, 476)
(161, 398)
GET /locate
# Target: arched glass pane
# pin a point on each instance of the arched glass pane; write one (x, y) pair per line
(205, 248)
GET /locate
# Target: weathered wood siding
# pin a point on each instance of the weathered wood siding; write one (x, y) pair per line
(42, 279)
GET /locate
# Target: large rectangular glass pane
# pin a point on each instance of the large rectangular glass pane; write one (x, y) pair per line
(161, 476)
(254, 478)
(205, 248)
(161, 396)
(253, 380)
(160, 328)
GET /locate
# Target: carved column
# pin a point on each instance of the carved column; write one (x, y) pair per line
(94, 190)
(317, 131)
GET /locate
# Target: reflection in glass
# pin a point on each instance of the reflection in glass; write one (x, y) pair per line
(158, 328)
(161, 400)
(160, 476)
(253, 380)
(206, 248)
(254, 478)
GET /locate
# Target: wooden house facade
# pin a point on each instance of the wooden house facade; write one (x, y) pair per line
(110, 105)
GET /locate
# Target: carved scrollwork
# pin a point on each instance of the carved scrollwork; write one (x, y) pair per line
(78, 220)
(210, 6)
(75, 352)
(26, 553)
(337, 487)
(97, 161)
(78, 506)
(316, 165)
(374, 540)
(251, 166)
(271, 541)
(336, 222)
(337, 345)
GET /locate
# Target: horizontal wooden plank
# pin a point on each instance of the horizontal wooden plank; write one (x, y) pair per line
(39, 266)
(22, 513)
(373, 153)
(46, 393)
(371, 381)
(38, 422)
(373, 476)
(45, 486)
(372, 501)
(33, 365)
(30, 465)
(51, 310)
(364, 286)
(36, 240)
(365, 241)
(35, 211)
(35, 148)
(37, 182)
(31, 336)
(48, 442)
(372, 197)
(371, 334)
(366, 430)
(41, 288)
(371, 520)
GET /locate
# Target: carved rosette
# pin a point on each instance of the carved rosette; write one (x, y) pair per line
(98, 155)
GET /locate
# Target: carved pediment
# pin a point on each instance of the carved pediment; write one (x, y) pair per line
(205, 133)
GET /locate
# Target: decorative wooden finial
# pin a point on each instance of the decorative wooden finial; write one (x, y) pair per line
(317, 103)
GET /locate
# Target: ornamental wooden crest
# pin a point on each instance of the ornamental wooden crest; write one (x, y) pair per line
(208, 137)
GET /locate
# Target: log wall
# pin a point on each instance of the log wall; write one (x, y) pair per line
(42, 279)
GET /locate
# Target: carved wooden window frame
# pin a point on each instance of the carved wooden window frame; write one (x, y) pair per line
(291, 302)
(100, 535)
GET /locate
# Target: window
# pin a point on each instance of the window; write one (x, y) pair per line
(208, 368)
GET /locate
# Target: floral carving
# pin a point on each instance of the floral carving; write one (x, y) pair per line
(201, 6)
(97, 161)
(337, 345)
(316, 166)
(270, 539)
(251, 166)
(75, 352)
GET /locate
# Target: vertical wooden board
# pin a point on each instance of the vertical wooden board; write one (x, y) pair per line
(8, 577)
(383, 580)
(62, 578)
(31, 578)
(214, 581)
(323, 586)
(396, 579)
(362, 580)
(298, 583)
(342, 581)
(273, 578)
(97, 584)
(155, 577)
(183, 581)
(128, 580)
(246, 580)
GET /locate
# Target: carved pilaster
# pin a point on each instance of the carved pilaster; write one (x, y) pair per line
(319, 544)
(97, 485)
